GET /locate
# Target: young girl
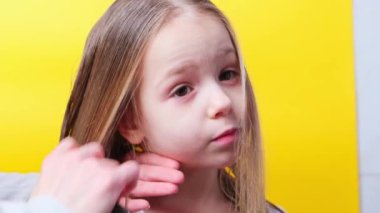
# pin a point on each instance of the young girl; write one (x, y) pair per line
(167, 77)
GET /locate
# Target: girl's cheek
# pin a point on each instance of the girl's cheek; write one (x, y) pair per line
(238, 102)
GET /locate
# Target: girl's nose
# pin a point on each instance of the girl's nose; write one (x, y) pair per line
(219, 104)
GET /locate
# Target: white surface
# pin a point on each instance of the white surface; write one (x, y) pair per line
(367, 59)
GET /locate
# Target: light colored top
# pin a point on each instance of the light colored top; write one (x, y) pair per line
(40, 204)
(16, 188)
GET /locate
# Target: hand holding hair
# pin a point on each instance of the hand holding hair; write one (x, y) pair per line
(84, 180)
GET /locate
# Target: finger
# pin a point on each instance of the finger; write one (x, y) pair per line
(66, 145)
(155, 159)
(153, 189)
(127, 174)
(92, 149)
(123, 201)
(161, 174)
(107, 163)
(135, 205)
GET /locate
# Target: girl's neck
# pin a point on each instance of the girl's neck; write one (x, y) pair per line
(199, 193)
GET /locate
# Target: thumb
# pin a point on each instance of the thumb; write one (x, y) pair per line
(129, 174)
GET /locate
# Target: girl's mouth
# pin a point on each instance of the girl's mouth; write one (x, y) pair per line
(226, 137)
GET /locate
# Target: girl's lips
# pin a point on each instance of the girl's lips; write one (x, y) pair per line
(226, 137)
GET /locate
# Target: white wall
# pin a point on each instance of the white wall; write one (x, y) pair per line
(367, 53)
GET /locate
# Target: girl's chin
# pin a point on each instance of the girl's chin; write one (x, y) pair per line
(210, 164)
(227, 159)
(229, 163)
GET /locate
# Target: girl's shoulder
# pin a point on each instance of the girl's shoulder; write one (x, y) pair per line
(272, 208)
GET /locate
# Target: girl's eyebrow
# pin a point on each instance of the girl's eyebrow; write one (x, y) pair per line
(189, 65)
(178, 69)
(181, 67)
(226, 51)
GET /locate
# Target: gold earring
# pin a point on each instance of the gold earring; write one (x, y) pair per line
(230, 172)
(138, 149)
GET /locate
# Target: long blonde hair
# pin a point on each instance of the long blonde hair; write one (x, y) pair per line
(107, 84)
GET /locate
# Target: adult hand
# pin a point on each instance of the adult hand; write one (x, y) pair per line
(159, 176)
(84, 180)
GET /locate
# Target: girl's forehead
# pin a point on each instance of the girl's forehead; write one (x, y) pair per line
(189, 38)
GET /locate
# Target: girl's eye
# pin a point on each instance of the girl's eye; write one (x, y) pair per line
(228, 75)
(182, 91)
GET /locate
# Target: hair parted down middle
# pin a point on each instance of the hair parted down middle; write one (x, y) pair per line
(108, 79)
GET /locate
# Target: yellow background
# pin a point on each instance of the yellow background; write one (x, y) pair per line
(300, 58)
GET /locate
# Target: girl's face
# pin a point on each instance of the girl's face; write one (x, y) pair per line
(191, 92)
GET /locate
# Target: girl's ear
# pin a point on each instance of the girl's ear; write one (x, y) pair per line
(130, 132)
